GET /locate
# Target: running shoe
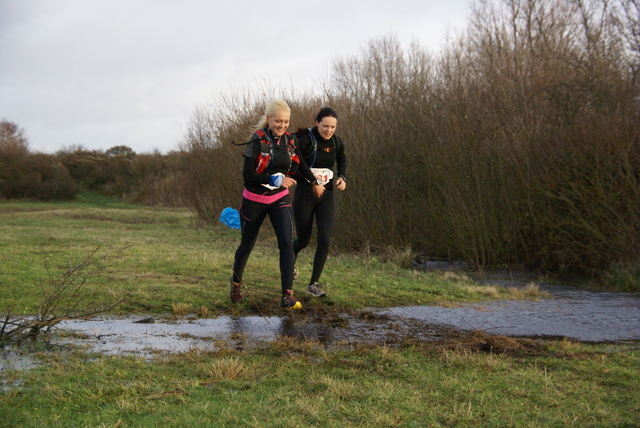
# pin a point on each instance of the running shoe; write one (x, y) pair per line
(316, 290)
(235, 291)
(290, 302)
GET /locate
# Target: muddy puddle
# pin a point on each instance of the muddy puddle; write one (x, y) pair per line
(118, 336)
(573, 313)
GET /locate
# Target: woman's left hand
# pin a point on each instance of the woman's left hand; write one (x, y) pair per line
(341, 184)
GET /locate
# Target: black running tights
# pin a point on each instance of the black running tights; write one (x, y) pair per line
(305, 206)
(252, 214)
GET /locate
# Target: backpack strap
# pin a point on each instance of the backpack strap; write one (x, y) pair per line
(267, 150)
(314, 145)
(266, 144)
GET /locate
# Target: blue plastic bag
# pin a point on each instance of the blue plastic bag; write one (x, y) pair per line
(230, 217)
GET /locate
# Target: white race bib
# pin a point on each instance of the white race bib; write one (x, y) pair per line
(323, 174)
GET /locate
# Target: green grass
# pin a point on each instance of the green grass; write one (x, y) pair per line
(160, 257)
(289, 384)
(162, 262)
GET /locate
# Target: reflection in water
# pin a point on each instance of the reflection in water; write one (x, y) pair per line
(123, 336)
(309, 331)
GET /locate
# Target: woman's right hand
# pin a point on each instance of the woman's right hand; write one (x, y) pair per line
(318, 190)
(287, 182)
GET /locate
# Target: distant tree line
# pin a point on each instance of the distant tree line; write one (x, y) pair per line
(152, 179)
(517, 144)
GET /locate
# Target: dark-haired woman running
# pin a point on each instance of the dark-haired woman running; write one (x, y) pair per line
(321, 150)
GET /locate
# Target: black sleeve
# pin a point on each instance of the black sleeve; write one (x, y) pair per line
(303, 168)
(341, 159)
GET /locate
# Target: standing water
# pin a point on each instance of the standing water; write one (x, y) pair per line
(576, 314)
(582, 315)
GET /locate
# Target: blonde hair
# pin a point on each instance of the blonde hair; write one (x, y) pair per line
(271, 109)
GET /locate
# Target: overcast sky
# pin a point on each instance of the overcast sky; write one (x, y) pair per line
(103, 73)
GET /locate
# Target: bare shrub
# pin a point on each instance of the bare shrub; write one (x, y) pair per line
(548, 73)
(109, 172)
(45, 178)
(382, 121)
(64, 297)
(160, 179)
(518, 144)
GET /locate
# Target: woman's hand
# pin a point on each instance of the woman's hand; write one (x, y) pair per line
(341, 184)
(318, 190)
(288, 182)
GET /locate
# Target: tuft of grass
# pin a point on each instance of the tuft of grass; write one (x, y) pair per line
(529, 291)
(229, 368)
(625, 278)
(203, 312)
(402, 257)
(181, 309)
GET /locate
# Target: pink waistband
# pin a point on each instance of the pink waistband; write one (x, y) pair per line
(264, 199)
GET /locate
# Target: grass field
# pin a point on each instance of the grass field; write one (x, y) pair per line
(159, 261)
(159, 258)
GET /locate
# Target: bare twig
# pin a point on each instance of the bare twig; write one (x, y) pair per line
(63, 298)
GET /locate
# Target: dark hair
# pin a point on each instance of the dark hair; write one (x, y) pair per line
(326, 112)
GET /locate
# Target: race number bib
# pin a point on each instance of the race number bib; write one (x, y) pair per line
(323, 174)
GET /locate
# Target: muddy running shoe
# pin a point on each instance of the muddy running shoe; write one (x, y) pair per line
(316, 290)
(295, 271)
(235, 291)
(290, 302)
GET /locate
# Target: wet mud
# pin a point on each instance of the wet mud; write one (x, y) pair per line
(572, 313)
(128, 336)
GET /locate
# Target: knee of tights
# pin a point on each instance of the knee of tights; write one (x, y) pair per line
(285, 246)
(324, 241)
(302, 243)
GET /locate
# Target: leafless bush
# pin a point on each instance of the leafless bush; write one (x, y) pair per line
(214, 174)
(560, 110)
(518, 144)
(64, 297)
(160, 179)
(503, 149)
